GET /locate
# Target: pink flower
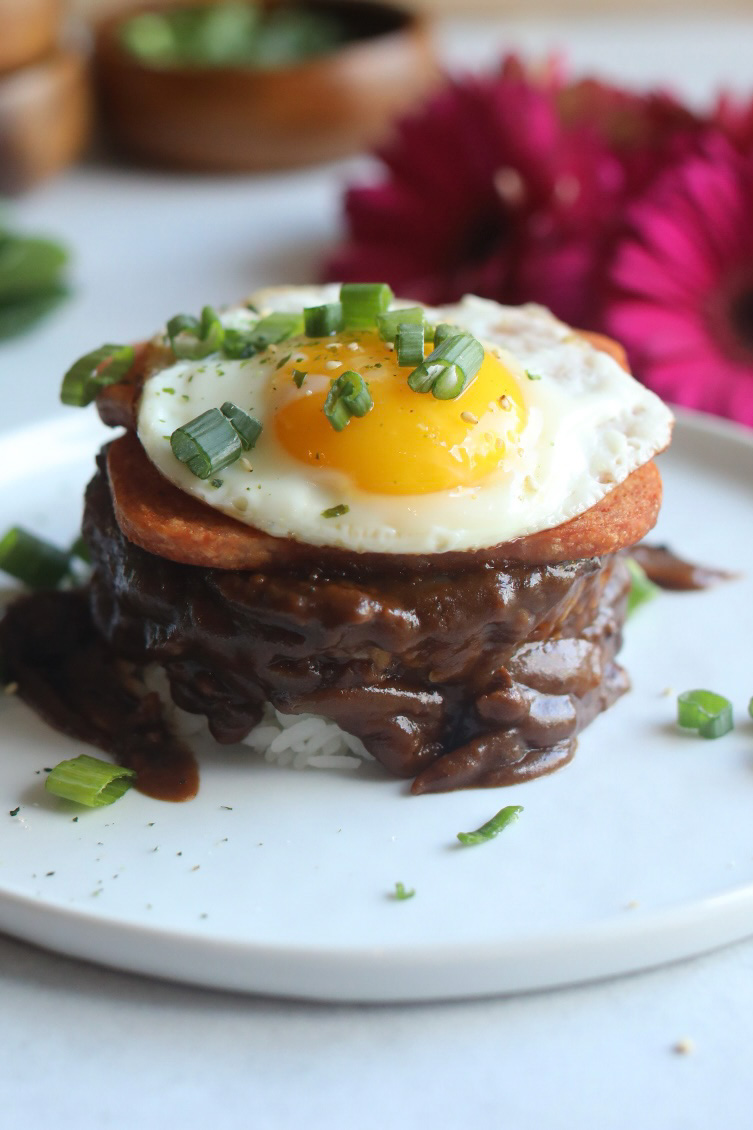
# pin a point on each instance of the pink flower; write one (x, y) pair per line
(643, 130)
(679, 292)
(487, 191)
(734, 118)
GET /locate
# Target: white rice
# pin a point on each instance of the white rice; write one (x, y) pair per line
(297, 741)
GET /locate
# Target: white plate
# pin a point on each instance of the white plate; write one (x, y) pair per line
(279, 881)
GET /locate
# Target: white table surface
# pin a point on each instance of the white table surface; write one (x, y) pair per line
(86, 1047)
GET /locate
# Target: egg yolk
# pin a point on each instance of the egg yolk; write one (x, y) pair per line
(409, 442)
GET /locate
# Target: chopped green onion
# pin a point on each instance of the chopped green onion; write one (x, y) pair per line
(492, 827)
(192, 339)
(402, 893)
(321, 321)
(93, 371)
(271, 330)
(533, 376)
(239, 344)
(348, 396)
(387, 323)
(363, 302)
(750, 708)
(90, 781)
(19, 314)
(708, 713)
(445, 330)
(299, 376)
(641, 589)
(246, 426)
(206, 444)
(31, 560)
(409, 343)
(28, 265)
(449, 368)
(336, 511)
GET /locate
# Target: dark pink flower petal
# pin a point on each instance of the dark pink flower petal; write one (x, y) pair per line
(679, 290)
(486, 190)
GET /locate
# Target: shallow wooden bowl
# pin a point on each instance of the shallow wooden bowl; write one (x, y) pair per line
(44, 118)
(28, 30)
(234, 119)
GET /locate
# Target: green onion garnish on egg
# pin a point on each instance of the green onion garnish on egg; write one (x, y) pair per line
(299, 376)
(90, 781)
(641, 588)
(387, 323)
(206, 444)
(191, 338)
(492, 827)
(363, 302)
(246, 426)
(321, 321)
(445, 330)
(336, 511)
(31, 560)
(95, 370)
(271, 330)
(449, 368)
(705, 711)
(348, 396)
(409, 343)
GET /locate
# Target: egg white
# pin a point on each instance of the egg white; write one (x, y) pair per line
(589, 426)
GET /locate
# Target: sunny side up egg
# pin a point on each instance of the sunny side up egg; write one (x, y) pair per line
(547, 427)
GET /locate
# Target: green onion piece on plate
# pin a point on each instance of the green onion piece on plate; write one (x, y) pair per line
(750, 708)
(31, 560)
(246, 426)
(321, 321)
(387, 323)
(348, 396)
(705, 711)
(641, 589)
(402, 893)
(449, 368)
(90, 781)
(409, 343)
(191, 338)
(103, 366)
(492, 827)
(363, 302)
(206, 444)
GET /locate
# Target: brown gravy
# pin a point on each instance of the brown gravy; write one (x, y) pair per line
(69, 677)
(669, 571)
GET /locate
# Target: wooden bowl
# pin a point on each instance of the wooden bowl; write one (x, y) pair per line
(236, 119)
(29, 29)
(44, 118)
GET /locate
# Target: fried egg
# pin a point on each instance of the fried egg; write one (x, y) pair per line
(546, 428)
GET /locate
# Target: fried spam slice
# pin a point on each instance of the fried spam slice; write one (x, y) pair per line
(157, 516)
